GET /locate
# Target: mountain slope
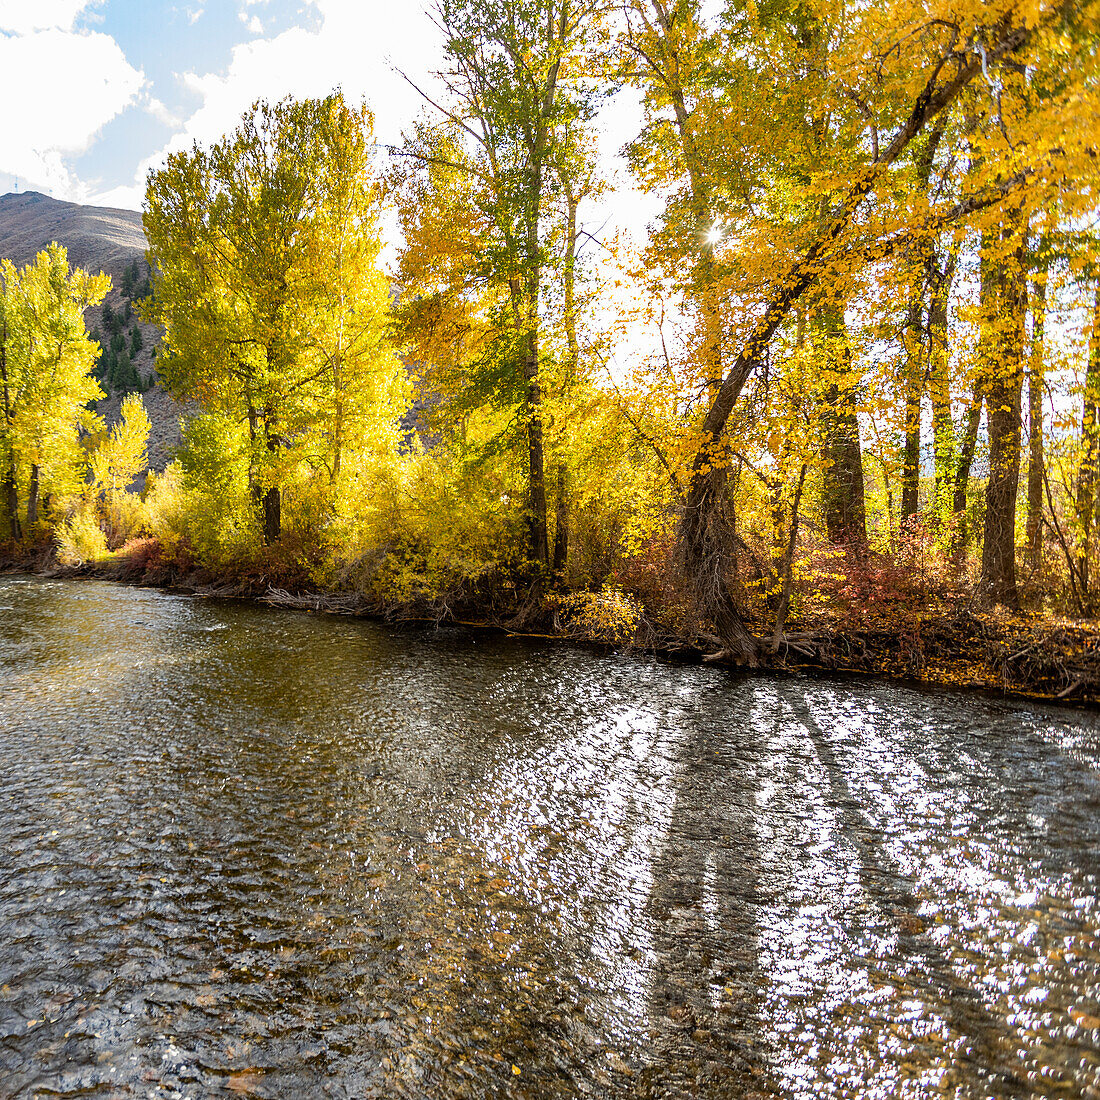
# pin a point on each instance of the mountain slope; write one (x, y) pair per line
(98, 238)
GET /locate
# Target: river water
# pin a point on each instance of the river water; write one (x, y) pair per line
(249, 852)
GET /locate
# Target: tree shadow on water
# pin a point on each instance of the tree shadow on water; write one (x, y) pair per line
(979, 1045)
(706, 1040)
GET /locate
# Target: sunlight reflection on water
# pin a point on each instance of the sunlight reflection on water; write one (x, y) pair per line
(294, 856)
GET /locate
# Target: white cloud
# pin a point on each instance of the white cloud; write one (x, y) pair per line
(161, 113)
(53, 123)
(25, 16)
(194, 15)
(254, 25)
(355, 48)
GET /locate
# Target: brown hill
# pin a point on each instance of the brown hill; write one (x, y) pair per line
(98, 238)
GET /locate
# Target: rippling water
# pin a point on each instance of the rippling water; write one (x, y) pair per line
(258, 853)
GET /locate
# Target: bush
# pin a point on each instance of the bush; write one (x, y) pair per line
(609, 616)
(79, 538)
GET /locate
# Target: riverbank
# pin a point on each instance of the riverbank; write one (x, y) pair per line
(1022, 655)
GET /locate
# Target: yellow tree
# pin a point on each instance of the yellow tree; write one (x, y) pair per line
(46, 362)
(263, 250)
(119, 455)
(903, 68)
(515, 88)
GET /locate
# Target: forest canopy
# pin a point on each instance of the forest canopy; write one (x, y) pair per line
(853, 369)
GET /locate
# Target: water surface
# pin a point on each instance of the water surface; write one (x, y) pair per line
(248, 852)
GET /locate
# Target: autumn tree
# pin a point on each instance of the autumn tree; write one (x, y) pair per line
(515, 99)
(119, 455)
(263, 249)
(901, 70)
(46, 363)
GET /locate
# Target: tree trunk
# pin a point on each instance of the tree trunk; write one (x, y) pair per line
(572, 350)
(561, 524)
(706, 546)
(11, 496)
(273, 518)
(943, 427)
(961, 536)
(32, 501)
(1035, 378)
(914, 371)
(998, 579)
(843, 488)
(273, 497)
(988, 308)
(933, 284)
(1090, 445)
(537, 527)
(788, 561)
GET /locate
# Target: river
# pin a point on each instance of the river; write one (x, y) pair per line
(256, 852)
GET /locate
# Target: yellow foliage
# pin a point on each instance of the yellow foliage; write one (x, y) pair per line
(608, 616)
(79, 538)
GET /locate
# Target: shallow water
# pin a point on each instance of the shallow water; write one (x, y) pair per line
(248, 852)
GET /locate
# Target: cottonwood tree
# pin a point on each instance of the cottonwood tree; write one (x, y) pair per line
(46, 383)
(903, 69)
(515, 98)
(263, 250)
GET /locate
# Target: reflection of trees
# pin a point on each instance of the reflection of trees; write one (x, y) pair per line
(701, 917)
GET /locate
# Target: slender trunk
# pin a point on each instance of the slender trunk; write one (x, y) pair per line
(843, 484)
(11, 494)
(1035, 380)
(32, 501)
(561, 523)
(778, 522)
(939, 388)
(537, 527)
(538, 536)
(273, 497)
(998, 579)
(572, 350)
(988, 312)
(961, 537)
(1090, 445)
(788, 561)
(12, 497)
(915, 365)
(914, 371)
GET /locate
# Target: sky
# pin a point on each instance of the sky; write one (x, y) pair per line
(103, 90)
(99, 91)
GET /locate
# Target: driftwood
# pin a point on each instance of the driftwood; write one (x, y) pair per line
(336, 603)
(220, 591)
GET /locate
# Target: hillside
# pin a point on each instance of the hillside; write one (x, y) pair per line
(98, 238)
